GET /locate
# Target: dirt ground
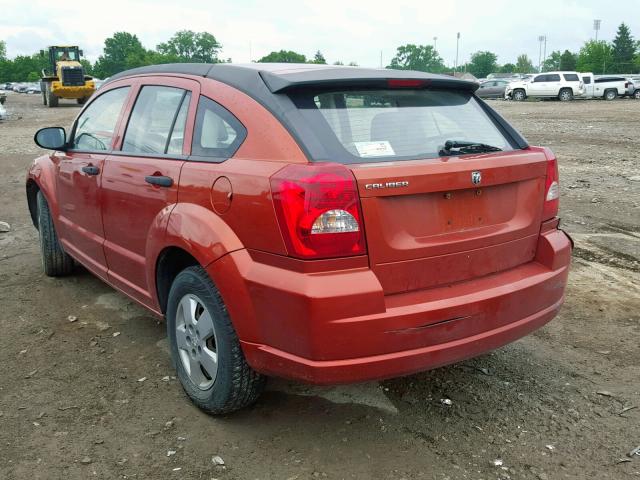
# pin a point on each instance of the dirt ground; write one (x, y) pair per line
(96, 398)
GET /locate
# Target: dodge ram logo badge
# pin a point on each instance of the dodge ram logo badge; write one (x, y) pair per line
(476, 177)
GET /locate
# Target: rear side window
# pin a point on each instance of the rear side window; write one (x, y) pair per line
(156, 114)
(554, 77)
(96, 126)
(571, 77)
(217, 133)
(377, 125)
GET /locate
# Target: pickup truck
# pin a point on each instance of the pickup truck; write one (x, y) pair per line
(607, 87)
(561, 85)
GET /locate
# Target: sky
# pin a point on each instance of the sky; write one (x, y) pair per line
(345, 30)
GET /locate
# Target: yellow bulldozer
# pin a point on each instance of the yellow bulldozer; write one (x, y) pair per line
(65, 76)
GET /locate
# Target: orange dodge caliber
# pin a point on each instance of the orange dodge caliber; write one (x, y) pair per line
(324, 224)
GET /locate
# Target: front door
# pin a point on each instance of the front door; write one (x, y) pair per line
(140, 178)
(78, 179)
(538, 86)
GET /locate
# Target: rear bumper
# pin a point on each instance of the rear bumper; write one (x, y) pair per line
(339, 327)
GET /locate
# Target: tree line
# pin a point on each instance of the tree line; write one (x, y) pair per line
(124, 50)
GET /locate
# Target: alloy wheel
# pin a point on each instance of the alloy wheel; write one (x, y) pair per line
(196, 340)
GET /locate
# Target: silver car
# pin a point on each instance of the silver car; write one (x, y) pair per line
(492, 88)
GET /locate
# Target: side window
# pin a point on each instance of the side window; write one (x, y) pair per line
(153, 118)
(553, 78)
(177, 134)
(540, 78)
(96, 126)
(586, 80)
(217, 133)
(571, 77)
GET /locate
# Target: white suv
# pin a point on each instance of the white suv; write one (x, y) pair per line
(561, 85)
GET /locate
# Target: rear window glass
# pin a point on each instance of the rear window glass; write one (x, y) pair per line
(217, 133)
(571, 77)
(378, 125)
(554, 77)
(609, 79)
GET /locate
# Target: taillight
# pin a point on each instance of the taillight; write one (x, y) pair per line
(318, 211)
(552, 187)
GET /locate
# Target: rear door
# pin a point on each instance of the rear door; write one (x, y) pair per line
(140, 178)
(79, 180)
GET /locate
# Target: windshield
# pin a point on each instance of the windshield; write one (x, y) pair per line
(378, 125)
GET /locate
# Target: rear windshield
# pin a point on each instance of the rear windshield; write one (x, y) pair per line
(386, 125)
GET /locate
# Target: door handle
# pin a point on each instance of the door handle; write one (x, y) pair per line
(159, 180)
(90, 170)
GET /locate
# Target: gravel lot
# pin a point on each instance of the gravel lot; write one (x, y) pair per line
(95, 398)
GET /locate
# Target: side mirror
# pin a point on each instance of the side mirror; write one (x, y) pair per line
(51, 138)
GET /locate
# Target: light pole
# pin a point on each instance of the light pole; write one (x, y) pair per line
(435, 41)
(541, 39)
(596, 27)
(455, 67)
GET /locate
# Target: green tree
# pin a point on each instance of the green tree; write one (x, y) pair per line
(319, 58)
(482, 64)
(508, 68)
(568, 61)
(552, 62)
(3, 50)
(33, 77)
(524, 64)
(423, 58)
(190, 46)
(624, 49)
(596, 57)
(284, 56)
(121, 52)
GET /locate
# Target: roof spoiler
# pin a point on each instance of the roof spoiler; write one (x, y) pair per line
(354, 78)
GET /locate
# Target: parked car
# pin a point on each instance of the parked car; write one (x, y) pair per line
(561, 85)
(492, 88)
(633, 87)
(318, 223)
(3, 97)
(3, 112)
(606, 87)
(33, 88)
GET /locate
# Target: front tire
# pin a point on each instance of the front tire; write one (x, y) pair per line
(610, 95)
(519, 95)
(205, 348)
(55, 262)
(52, 100)
(636, 94)
(565, 95)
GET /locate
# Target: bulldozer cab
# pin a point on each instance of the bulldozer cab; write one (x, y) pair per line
(63, 54)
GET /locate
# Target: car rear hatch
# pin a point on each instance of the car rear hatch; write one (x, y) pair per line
(432, 215)
(427, 223)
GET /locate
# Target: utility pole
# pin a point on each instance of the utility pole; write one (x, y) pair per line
(250, 52)
(435, 41)
(381, 59)
(596, 27)
(455, 65)
(544, 51)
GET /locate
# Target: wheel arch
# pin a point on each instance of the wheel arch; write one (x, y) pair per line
(32, 200)
(183, 235)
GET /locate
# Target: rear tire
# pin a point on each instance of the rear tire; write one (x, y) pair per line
(610, 95)
(565, 95)
(44, 96)
(81, 101)
(55, 262)
(52, 100)
(205, 348)
(519, 95)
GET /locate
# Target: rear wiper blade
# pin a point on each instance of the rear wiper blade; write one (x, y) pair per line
(457, 147)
